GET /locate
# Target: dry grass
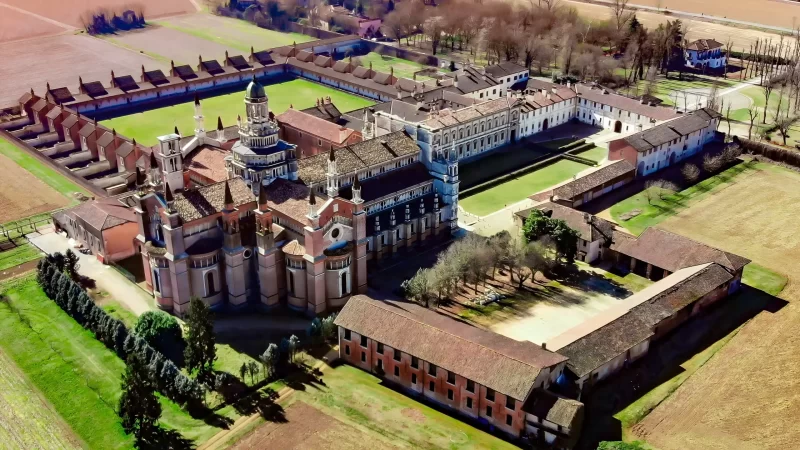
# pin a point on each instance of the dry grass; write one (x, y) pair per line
(38, 197)
(748, 395)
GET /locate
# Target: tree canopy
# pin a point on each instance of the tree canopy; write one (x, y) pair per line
(200, 350)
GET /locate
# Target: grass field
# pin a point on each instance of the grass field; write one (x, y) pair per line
(359, 399)
(238, 34)
(76, 373)
(596, 154)
(735, 400)
(403, 68)
(665, 88)
(18, 255)
(26, 420)
(512, 191)
(146, 126)
(656, 210)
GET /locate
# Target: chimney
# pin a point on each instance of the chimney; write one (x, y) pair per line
(544, 345)
(587, 218)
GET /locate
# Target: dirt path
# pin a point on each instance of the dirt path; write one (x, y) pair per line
(19, 270)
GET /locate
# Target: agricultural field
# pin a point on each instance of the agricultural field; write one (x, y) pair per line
(403, 68)
(18, 255)
(498, 197)
(387, 418)
(60, 60)
(74, 372)
(146, 126)
(735, 400)
(46, 189)
(26, 420)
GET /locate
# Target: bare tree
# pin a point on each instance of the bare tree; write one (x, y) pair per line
(712, 164)
(691, 173)
(753, 114)
(784, 124)
(768, 86)
(621, 17)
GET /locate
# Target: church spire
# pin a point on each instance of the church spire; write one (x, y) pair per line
(228, 197)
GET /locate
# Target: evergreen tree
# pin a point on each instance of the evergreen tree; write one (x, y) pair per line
(58, 260)
(71, 264)
(200, 341)
(138, 406)
(294, 344)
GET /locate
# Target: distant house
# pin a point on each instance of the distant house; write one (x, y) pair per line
(363, 26)
(705, 53)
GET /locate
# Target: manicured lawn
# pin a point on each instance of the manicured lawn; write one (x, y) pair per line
(500, 162)
(76, 373)
(656, 210)
(596, 154)
(764, 279)
(39, 169)
(18, 255)
(665, 87)
(403, 68)
(358, 398)
(512, 191)
(146, 126)
(229, 360)
(242, 35)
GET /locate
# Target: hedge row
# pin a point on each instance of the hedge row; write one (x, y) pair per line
(775, 153)
(71, 298)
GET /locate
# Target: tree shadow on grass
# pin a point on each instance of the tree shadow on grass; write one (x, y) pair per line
(263, 403)
(162, 438)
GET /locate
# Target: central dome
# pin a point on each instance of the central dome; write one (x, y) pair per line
(255, 90)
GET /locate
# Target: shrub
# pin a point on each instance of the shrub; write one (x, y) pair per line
(163, 332)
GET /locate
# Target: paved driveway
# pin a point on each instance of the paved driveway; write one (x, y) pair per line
(107, 279)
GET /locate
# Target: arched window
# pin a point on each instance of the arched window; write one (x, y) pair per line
(210, 288)
(291, 283)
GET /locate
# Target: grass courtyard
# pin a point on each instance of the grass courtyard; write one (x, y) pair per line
(517, 189)
(146, 126)
(77, 374)
(595, 154)
(403, 68)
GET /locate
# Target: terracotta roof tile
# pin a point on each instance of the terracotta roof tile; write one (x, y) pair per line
(315, 126)
(208, 200)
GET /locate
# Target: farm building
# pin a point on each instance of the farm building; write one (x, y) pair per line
(593, 185)
(105, 226)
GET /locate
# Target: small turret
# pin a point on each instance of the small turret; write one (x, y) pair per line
(332, 175)
(312, 204)
(357, 191)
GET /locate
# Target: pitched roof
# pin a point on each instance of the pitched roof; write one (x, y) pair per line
(61, 95)
(185, 72)
(126, 83)
(390, 182)
(326, 111)
(495, 361)
(209, 162)
(125, 148)
(294, 248)
(88, 129)
(594, 180)
(102, 214)
(315, 126)
(202, 202)
(704, 44)
(672, 251)
(70, 120)
(94, 89)
(106, 139)
(54, 113)
(264, 57)
(238, 62)
(504, 69)
(558, 410)
(590, 227)
(211, 66)
(155, 77)
(289, 198)
(447, 118)
(606, 97)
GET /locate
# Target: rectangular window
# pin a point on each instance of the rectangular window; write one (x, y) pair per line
(364, 341)
(511, 403)
(347, 350)
(451, 377)
(489, 394)
(380, 364)
(489, 411)
(380, 348)
(397, 371)
(413, 378)
(414, 362)
(450, 394)
(470, 386)
(397, 355)
(509, 419)
(469, 402)
(431, 370)
(432, 386)
(347, 335)
(363, 356)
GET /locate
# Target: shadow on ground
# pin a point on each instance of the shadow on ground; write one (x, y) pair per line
(664, 361)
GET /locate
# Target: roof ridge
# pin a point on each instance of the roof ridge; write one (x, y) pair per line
(463, 339)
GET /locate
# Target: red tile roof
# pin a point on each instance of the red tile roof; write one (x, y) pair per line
(315, 126)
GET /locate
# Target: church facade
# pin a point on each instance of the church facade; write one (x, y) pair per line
(282, 231)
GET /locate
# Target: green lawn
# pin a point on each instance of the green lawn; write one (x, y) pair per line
(512, 191)
(596, 154)
(764, 279)
(76, 373)
(358, 398)
(656, 210)
(146, 126)
(756, 95)
(403, 68)
(40, 170)
(665, 87)
(242, 35)
(18, 255)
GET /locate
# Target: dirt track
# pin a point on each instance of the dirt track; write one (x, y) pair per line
(748, 395)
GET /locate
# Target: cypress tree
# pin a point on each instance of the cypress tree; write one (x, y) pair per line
(200, 340)
(138, 406)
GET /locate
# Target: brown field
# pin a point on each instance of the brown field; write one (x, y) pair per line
(307, 428)
(740, 37)
(60, 60)
(748, 395)
(172, 44)
(23, 195)
(30, 15)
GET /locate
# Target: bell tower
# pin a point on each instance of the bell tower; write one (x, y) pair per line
(169, 153)
(233, 251)
(267, 253)
(199, 119)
